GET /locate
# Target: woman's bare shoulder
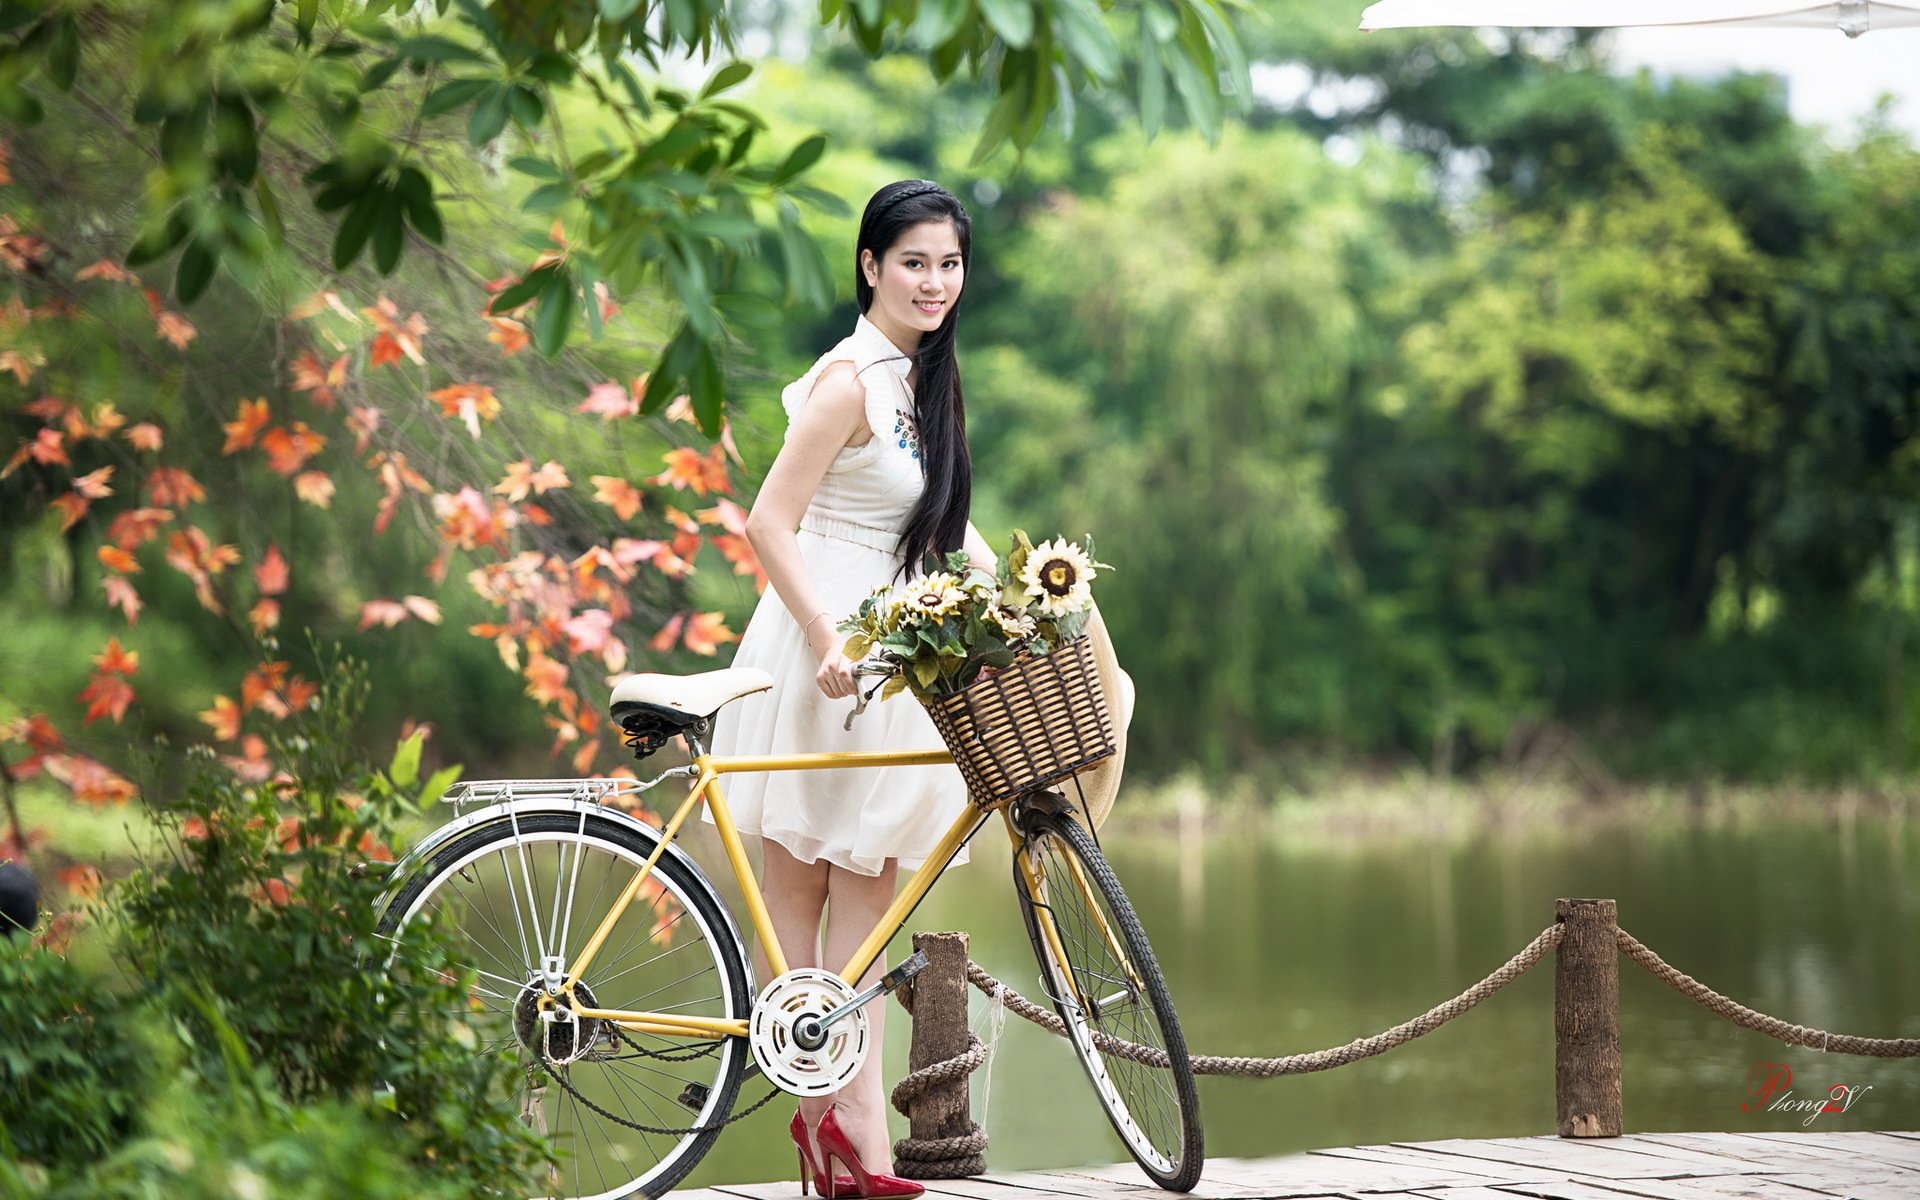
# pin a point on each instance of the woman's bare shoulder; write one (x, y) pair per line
(839, 399)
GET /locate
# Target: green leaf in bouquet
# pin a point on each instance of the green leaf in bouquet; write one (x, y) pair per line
(925, 671)
(1017, 554)
(901, 641)
(857, 646)
(894, 687)
(999, 659)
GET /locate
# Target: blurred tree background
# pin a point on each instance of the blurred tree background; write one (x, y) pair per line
(1460, 403)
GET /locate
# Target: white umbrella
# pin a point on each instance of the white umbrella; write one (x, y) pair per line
(1851, 17)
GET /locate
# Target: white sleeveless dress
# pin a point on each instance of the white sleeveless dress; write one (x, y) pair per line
(853, 818)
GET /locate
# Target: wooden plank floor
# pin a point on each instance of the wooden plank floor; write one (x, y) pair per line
(1640, 1166)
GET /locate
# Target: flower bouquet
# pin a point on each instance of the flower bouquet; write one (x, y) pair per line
(1001, 662)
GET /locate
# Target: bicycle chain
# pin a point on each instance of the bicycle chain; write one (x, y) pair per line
(617, 1119)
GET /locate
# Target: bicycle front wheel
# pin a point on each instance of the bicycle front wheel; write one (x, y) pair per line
(628, 1114)
(1105, 984)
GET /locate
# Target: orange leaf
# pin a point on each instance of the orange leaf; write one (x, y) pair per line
(509, 334)
(113, 558)
(137, 526)
(46, 448)
(91, 782)
(298, 692)
(365, 422)
(115, 659)
(170, 487)
(382, 612)
(174, 328)
(144, 436)
(244, 428)
(82, 881)
(270, 573)
(423, 608)
(397, 337)
(688, 468)
(705, 632)
(588, 632)
(93, 485)
(546, 678)
(106, 696)
(472, 403)
(668, 635)
(315, 487)
(260, 686)
(619, 495)
(611, 401)
(317, 381)
(288, 450)
(71, 508)
(121, 595)
(106, 268)
(264, 615)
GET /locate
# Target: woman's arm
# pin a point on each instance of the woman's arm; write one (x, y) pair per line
(833, 414)
(979, 553)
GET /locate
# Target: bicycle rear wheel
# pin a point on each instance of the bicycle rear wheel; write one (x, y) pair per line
(1106, 985)
(514, 891)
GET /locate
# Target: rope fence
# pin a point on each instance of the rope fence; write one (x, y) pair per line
(1587, 1035)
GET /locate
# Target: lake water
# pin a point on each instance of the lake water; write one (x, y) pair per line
(1275, 944)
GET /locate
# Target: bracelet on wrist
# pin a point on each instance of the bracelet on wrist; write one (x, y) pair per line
(808, 627)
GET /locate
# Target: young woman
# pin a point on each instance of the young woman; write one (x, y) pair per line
(873, 477)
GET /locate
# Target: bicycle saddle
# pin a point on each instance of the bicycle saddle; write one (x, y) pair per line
(655, 708)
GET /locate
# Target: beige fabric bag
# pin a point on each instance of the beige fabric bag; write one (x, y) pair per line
(1099, 785)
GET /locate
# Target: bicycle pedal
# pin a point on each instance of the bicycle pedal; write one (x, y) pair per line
(693, 1097)
(891, 981)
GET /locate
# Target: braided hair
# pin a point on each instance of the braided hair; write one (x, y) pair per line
(938, 522)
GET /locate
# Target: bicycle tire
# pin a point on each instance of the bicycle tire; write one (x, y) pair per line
(483, 872)
(1154, 1110)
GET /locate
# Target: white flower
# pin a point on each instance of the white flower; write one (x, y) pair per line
(1011, 621)
(1059, 577)
(933, 596)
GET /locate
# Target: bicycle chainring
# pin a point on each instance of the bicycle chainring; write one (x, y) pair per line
(791, 1067)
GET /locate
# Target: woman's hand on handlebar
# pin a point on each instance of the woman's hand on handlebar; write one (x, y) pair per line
(835, 676)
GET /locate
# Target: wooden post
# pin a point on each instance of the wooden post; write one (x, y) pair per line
(1586, 1019)
(940, 1033)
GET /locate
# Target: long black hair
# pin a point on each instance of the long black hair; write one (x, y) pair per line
(938, 522)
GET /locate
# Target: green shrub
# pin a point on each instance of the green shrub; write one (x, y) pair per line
(272, 1012)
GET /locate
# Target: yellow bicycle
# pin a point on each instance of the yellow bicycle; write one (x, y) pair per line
(608, 968)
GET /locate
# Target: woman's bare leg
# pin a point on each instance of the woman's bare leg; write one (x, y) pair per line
(796, 895)
(855, 904)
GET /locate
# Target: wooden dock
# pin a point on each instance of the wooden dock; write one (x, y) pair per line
(1641, 1166)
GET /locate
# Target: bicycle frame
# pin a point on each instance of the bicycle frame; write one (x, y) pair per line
(708, 769)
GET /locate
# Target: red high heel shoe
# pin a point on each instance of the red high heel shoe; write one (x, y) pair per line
(867, 1185)
(810, 1169)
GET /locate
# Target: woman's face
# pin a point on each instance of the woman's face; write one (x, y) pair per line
(918, 278)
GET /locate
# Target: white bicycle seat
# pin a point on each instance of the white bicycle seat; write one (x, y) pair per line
(692, 696)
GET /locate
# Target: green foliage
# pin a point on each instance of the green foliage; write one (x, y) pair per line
(70, 1074)
(682, 197)
(264, 1032)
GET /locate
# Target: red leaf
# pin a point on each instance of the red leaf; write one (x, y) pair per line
(270, 574)
(170, 487)
(121, 595)
(244, 428)
(115, 659)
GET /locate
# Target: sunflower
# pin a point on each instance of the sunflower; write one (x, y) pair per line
(1059, 577)
(1011, 621)
(933, 596)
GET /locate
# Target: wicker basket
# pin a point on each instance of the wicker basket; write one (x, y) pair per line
(1031, 724)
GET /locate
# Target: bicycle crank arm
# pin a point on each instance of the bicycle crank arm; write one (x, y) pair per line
(810, 1033)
